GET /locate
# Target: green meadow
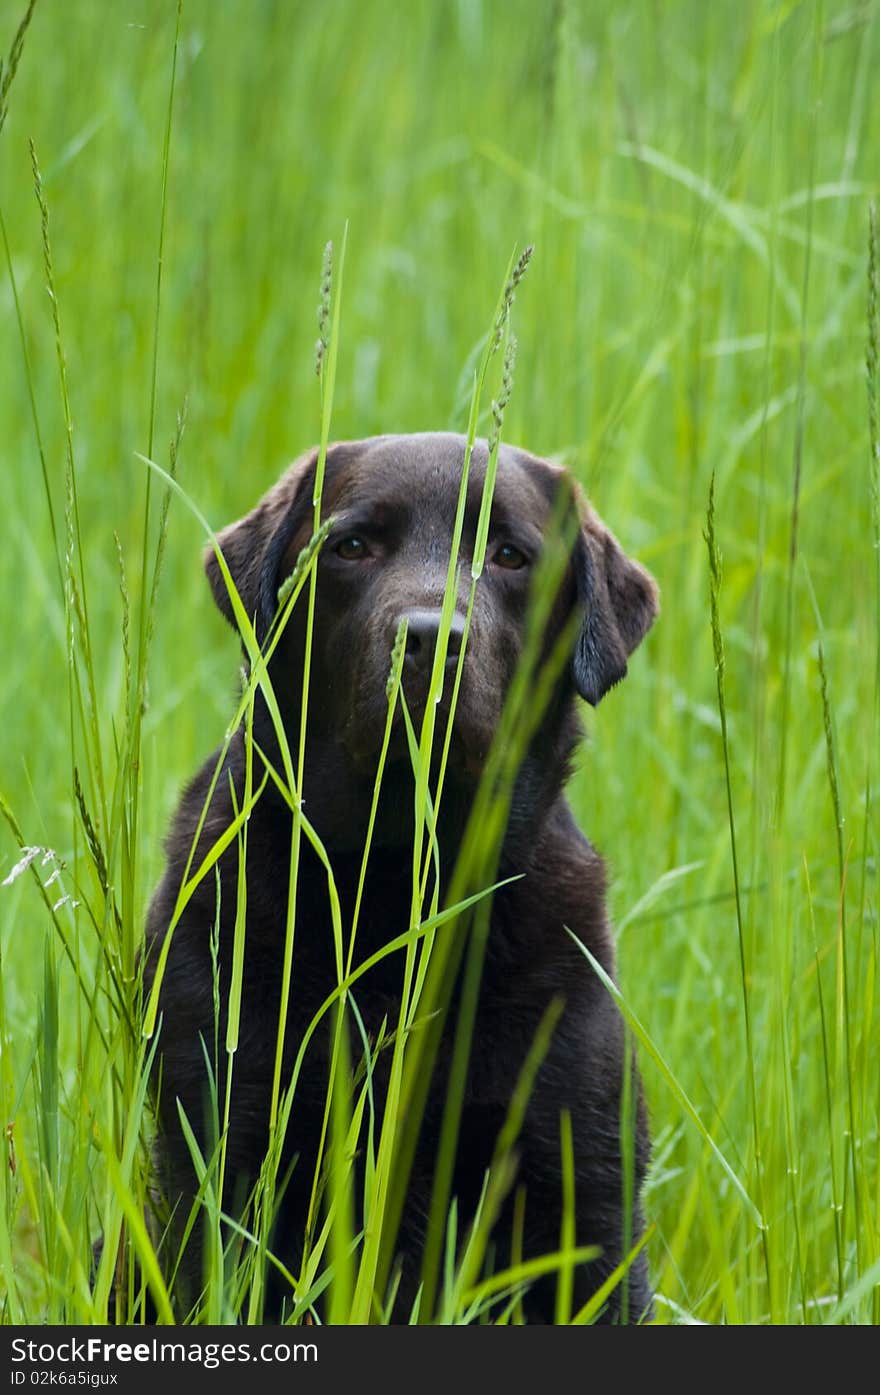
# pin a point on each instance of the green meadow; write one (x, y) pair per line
(698, 336)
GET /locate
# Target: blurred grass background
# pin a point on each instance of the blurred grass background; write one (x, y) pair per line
(696, 180)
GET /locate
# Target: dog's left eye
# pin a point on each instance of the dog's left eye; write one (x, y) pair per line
(510, 557)
(352, 549)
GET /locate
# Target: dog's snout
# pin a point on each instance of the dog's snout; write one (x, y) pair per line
(422, 629)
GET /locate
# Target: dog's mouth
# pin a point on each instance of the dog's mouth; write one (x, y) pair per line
(462, 748)
(415, 690)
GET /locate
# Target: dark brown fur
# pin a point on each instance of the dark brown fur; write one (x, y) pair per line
(398, 496)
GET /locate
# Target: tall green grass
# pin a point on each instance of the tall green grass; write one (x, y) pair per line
(696, 181)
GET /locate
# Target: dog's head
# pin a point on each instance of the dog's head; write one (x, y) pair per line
(392, 501)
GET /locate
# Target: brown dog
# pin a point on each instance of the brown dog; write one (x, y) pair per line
(393, 501)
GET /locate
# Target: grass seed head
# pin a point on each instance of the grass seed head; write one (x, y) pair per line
(872, 360)
(499, 404)
(308, 552)
(324, 307)
(396, 658)
(509, 294)
(7, 71)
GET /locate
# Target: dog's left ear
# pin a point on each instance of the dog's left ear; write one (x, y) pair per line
(620, 599)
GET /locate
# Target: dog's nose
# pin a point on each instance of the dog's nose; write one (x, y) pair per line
(422, 629)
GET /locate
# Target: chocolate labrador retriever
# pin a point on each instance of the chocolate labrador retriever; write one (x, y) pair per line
(392, 504)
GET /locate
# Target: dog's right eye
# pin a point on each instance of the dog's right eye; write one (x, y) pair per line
(352, 549)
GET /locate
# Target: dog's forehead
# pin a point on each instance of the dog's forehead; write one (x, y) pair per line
(424, 471)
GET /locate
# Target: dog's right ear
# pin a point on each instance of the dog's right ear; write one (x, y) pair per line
(254, 547)
(620, 602)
